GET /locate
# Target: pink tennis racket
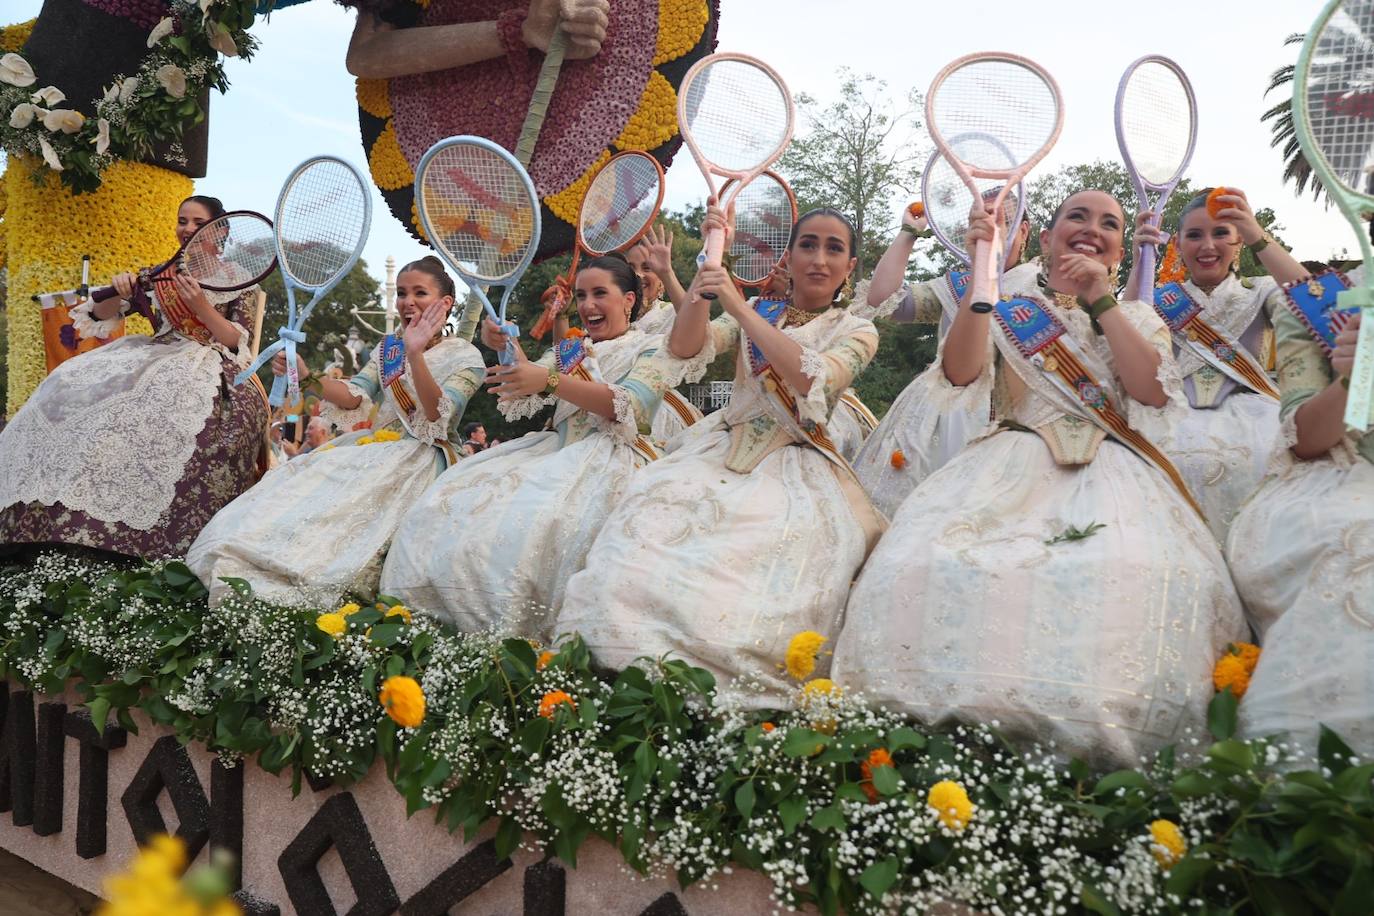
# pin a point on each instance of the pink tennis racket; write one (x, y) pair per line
(1004, 97)
(736, 116)
(1156, 129)
(764, 214)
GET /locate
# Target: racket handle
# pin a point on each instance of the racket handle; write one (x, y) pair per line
(101, 293)
(984, 288)
(1145, 271)
(711, 255)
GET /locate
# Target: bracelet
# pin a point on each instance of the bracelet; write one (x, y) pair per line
(1260, 244)
(1099, 308)
(551, 386)
(1345, 382)
(918, 233)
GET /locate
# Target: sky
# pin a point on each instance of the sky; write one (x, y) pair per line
(295, 99)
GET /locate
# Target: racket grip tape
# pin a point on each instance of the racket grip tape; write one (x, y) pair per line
(983, 291)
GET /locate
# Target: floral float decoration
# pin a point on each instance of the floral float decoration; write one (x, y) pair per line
(623, 99)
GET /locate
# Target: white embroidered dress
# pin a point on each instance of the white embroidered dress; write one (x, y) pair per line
(677, 412)
(494, 541)
(1302, 553)
(966, 611)
(1222, 445)
(722, 567)
(316, 528)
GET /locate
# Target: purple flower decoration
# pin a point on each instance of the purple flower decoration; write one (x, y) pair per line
(68, 337)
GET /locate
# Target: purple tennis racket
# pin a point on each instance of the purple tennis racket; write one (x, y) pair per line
(1156, 128)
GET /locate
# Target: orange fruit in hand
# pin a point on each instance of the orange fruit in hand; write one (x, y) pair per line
(917, 210)
(1214, 203)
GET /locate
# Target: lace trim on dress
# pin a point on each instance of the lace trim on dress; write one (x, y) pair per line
(693, 369)
(815, 407)
(625, 426)
(1283, 461)
(522, 408)
(861, 308)
(432, 432)
(88, 326)
(344, 418)
(239, 356)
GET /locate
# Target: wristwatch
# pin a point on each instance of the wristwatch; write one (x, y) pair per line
(551, 386)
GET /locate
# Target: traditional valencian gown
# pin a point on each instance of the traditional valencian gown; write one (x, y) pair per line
(1302, 553)
(1222, 446)
(317, 527)
(493, 543)
(979, 604)
(677, 413)
(133, 446)
(928, 423)
(748, 532)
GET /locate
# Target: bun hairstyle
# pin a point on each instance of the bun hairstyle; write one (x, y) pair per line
(212, 204)
(434, 268)
(622, 275)
(826, 211)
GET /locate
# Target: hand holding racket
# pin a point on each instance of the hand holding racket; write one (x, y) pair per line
(323, 214)
(1014, 102)
(948, 202)
(618, 208)
(1156, 129)
(1331, 111)
(229, 253)
(479, 210)
(736, 116)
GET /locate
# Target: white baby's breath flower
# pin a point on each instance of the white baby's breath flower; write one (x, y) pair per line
(173, 79)
(160, 31)
(63, 119)
(16, 71)
(48, 95)
(23, 115)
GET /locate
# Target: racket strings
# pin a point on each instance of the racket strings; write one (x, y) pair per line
(321, 223)
(621, 201)
(1156, 119)
(736, 114)
(764, 213)
(948, 199)
(1340, 94)
(479, 211)
(232, 251)
(997, 98)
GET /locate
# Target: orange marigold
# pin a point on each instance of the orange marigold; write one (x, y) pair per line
(575, 332)
(1171, 269)
(767, 727)
(551, 702)
(544, 658)
(1230, 672)
(1214, 204)
(1247, 652)
(898, 459)
(879, 757)
(917, 210)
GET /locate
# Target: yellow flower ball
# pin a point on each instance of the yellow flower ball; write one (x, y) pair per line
(388, 164)
(374, 97)
(819, 686)
(365, 440)
(135, 325)
(403, 700)
(386, 435)
(655, 120)
(334, 624)
(951, 803)
(1167, 844)
(14, 37)
(801, 654)
(399, 610)
(348, 610)
(680, 24)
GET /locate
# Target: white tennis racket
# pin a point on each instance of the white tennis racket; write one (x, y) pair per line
(478, 208)
(947, 198)
(1156, 130)
(322, 219)
(1006, 97)
(736, 116)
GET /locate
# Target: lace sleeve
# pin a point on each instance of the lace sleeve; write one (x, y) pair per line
(862, 309)
(88, 326)
(523, 408)
(367, 385)
(831, 372)
(638, 395)
(458, 390)
(722, 335)
(1304, 372)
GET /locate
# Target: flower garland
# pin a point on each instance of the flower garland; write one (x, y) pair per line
(839, 804)
(123, 225)
(138, 112)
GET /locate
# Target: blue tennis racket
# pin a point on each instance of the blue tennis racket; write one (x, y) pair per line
(480, 212)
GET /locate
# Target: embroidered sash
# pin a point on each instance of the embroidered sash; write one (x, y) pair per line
(771, 311)
(957, 281)
(1042, 340)
(391, 367)
(1216, 348)
(570, 356)
(569, 353)
(681, 406)
(1314, 302)
(179, 314)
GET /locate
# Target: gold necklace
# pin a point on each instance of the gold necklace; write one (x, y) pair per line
(1065, 300)
(797, 317)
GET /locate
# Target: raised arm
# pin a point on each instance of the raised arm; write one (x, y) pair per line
(966, 350)
(891, 270)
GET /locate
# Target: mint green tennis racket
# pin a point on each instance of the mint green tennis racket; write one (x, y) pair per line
(1333, 109)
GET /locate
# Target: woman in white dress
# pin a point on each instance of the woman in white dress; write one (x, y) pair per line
(317, 527)
(1222, 445)
(1054, 576)
(927, 424)
(495, 540)
(1302, 549)
(752, 529)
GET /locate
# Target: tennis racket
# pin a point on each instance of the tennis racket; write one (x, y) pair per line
(1332, 108)
(765, 211)
(323, 215)
(618, 208)
(478, 208)
(1156, 129)
(947, 198)
(1006, 97)
(229, 253)
(736, 116)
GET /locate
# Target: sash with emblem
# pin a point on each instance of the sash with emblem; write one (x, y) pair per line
(1191, 332)
(1042, 340)
(1314, 302)
(957, 281)
(179, 314)
(570, 357)
(391, 366)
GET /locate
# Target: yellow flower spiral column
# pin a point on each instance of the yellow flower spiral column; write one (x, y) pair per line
(124, 225)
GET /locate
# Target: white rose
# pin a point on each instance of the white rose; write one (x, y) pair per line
(160, 31)
(50, 155)
(63, 119)
(48, 95)
(16, 71)
(128, 88)
(23, 115)
(102, 137)
(222, 42)
(173, 79)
